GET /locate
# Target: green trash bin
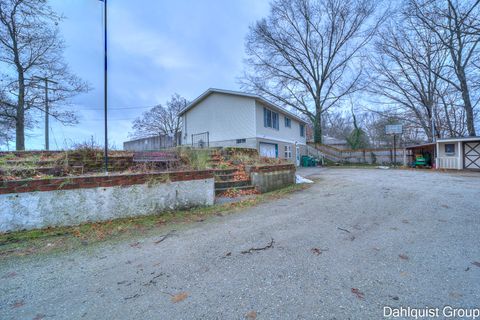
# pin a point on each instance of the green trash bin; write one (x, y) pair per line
(305, 161)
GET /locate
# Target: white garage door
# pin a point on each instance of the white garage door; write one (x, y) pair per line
(472, 155)
(268, 150)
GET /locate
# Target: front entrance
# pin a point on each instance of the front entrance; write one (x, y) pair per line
(471, 152)
(269, 150)
(297, 156)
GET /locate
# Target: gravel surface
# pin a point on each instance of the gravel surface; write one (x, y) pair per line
(356, 241)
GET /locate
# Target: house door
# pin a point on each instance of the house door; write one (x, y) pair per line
(297, 156)
(268, 150)
(471, 158)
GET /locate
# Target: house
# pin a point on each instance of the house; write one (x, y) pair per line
(458, 153)
(223, 118)
(152, 143)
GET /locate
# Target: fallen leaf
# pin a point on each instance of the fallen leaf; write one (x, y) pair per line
(179, 297)
(10, 275)
(403, 256)
(251, 315)
(403, 274)
(39, 316)
(228, 254)
(135, 245)
(18, 304)
(445, 206)
(476, 263)
(405, 221)
(359, 294)
(318, 251)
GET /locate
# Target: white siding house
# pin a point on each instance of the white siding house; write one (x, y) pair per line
(230, 118)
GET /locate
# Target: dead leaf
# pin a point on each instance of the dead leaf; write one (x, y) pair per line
(179, 297)
(251, 315)
(359, 294)
(403, 274)
(403, 257)
(405, 221)
(10, 275)
(318, 251)
(476, 263)
(445, 206)
(39, 316)
(135, 245)
(18, 304)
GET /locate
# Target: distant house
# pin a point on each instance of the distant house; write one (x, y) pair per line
(229, 118)
(152, 143)
(336, 143)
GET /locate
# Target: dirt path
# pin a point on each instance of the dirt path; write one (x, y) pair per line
(356, 241)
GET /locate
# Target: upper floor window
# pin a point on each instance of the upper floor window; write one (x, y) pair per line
(302, 130)
(288, 122)
(270, 119)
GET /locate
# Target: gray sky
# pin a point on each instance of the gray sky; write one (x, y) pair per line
(156, 48)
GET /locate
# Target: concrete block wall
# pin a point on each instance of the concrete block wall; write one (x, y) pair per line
(271, 177)
(33, 204)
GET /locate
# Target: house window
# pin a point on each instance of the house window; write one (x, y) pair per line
(270, 119)
(288, 152)
(288, 122)
(450, 149)
(302, 130)
(241, 140)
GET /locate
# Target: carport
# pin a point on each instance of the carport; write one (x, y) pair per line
(458, 153)
(426, 150)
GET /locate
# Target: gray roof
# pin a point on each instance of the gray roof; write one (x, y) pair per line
(241, 94)
(454, 139)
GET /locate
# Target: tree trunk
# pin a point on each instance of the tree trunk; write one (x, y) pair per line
(467, 103)
(317, 128)
(20, 119)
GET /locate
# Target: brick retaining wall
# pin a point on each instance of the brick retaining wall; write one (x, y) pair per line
(69, 183)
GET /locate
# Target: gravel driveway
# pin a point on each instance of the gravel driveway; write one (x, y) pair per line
(356, 241)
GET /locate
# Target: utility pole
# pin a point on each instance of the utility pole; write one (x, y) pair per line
(47, 111)
(105, 96)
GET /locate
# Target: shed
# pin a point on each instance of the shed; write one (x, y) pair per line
(426, 150)
(458, 153)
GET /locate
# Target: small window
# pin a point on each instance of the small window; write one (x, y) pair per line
(302, 130)
(270, 119)
(288, 152)
(450, 149)
(241, 140)
(288, 122)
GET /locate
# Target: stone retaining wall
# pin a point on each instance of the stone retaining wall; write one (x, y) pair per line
(33, 204)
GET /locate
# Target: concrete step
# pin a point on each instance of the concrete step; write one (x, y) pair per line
(224, 177)
(224, 171)
(231, 184)
(220, 190)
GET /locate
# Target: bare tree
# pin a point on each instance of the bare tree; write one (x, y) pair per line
(305, 54)
(456, 25)
(161, 120)
(406, 69)
(30, 46)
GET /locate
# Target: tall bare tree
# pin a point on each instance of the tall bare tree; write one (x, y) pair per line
(161, 120)
(406, 67)
(456, 25)
(305, 55)
(30, 47)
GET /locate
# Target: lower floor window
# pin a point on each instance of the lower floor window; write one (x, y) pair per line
(241, 140)
(288, 152)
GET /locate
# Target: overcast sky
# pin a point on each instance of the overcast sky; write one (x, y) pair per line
(156, 48)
